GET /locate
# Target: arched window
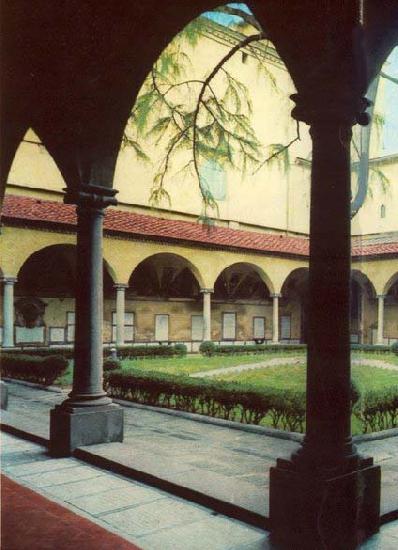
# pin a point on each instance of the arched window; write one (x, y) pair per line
(383, 211)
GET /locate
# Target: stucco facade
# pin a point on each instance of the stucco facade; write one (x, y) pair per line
(272, 201)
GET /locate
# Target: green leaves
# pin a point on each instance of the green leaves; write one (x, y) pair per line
(196, 119)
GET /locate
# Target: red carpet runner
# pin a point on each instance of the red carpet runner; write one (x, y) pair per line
(30, 521)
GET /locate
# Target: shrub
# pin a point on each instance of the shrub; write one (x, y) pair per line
(207, 349)
(44, 352)
(394, 348)
(112, 364)
(42, 370)
(210, 348)
(134, 352)
(230, 401)
(370, 348)
(180, 350)
(378, 409)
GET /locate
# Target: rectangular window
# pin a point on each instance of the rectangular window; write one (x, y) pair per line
(258, 327)
(229, 326)
(57, 335)
(128, 327)
(285, 327)
(161, 328)
(70, 326)
(197, 328)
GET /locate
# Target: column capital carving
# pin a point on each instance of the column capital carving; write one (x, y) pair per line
(381, 296)
(330, 108)
(276, 295)
(90, 196)
(207, 290)
(9, 280)
(120, 286)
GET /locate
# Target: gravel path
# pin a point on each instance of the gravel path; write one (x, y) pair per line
(286, 361)
(250, 366)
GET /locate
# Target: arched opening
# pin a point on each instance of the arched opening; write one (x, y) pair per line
(391, 311)
(241, 305)
(45, 296)
(363, 309)
(163, 295)
(294, 307)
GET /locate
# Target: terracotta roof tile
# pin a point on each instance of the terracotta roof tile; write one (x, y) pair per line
(139, 225)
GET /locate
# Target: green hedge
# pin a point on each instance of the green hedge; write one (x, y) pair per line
(230, 401)
(133, 352)
(210, 348)
(43, 352)
(42, 370)
(378, 409)
(370, 348)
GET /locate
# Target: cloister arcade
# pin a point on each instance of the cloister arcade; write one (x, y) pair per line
(75, 85)
(164, 299)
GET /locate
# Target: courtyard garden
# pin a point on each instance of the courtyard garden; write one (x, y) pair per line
(263, 388)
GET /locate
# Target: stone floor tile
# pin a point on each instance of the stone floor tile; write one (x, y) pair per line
(152, 517)
(61, 476)
(99, 484)
(213, 533)
(117, 499)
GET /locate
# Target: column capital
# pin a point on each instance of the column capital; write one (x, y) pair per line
(381, 296)
(120, 286)
(90, 196)
(333, 107)
(207, 290)
(276, 295)
(9, 280)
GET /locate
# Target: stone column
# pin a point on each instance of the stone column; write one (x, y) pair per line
(88, 416)
(120, 309)
(8, 312)
(206, 313)
(275, 318)
(326, 494)
(380, 319)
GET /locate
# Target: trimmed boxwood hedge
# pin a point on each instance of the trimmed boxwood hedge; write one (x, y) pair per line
(239, 402)
(230, 401)
(377, 410)
(133, 352)
(42, 370)
(210, 348)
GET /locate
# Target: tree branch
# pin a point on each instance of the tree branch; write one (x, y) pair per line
(389, 77)
(277, 153)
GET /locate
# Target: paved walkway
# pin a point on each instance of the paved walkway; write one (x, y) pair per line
(286, 361)
(215, 465)
(148, 517)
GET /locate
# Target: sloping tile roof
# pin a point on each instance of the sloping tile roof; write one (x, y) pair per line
(19, 208)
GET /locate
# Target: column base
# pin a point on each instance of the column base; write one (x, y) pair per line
(311, 513)
(74, 427)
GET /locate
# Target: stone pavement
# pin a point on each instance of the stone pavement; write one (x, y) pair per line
(148, 517)
(223, 468)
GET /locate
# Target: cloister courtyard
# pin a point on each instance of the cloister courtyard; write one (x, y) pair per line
(199, 275)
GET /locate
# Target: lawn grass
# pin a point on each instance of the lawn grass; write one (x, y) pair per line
(285, 376)
(197, 363)
(292, 377)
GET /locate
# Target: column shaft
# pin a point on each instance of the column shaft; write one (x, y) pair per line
(206, 315)
(380, 319)
(88, 375)
(120, 310)
(275, 318)
(8, 312)
(328, 422)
